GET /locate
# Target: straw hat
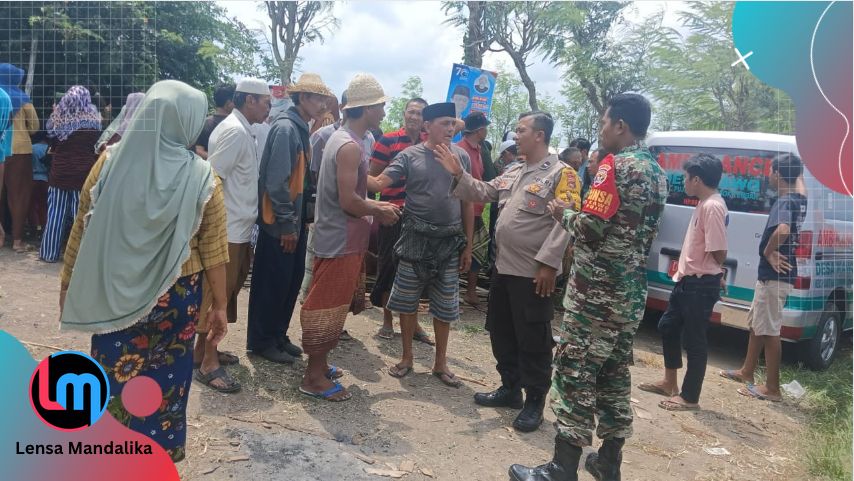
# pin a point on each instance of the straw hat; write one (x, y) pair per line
(364, 90)
(310, 83)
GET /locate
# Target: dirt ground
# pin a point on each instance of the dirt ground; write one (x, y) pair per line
(417, 426)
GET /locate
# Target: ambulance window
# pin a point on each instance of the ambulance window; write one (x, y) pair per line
(744, 184)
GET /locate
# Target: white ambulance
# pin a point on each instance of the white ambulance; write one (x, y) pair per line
(819, 307)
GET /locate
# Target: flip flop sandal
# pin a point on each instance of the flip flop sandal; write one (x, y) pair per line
(751, 391)
(452, 380)
(386, 333)
(423, 337)
(669, 405)
(649, 387)
(345, 336)
(327, 395)
(334, 373)
(231, 385)
(399, 372)
(731, 375)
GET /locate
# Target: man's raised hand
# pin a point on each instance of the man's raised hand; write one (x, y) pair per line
(448, 159)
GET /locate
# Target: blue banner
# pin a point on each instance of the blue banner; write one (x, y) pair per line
(471, 90)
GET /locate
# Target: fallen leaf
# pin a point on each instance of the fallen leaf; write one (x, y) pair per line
(211, 470)
(388, 473)
(407, 466)
(235, 459)
(427, 472)
(235, 443)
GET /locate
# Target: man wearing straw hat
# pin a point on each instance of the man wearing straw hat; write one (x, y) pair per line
(342, 231)
(277, 270)
(318, 143)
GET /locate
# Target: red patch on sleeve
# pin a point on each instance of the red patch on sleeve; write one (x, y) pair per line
(602, 199)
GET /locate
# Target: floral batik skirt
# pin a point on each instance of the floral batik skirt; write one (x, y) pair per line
(159, 346)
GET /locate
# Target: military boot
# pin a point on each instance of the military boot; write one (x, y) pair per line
(605, 466)
(563, 467)
(532, 414)
(501, 397)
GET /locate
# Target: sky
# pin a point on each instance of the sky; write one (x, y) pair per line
(396, 40)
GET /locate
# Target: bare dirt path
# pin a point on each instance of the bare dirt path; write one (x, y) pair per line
(416, 425)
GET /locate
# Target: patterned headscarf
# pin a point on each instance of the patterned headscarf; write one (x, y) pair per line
(74, 111)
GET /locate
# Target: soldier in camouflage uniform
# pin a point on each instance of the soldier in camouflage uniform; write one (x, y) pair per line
(605, 298)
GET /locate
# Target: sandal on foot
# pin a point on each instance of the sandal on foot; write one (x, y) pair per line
(334, 372)
(423, 337)
(399, 372)
(669, 405)
(386, 333)
(751, 391)
(231, 385)
(655, 389)
(448, 379)
(328, 394)
(731, 374)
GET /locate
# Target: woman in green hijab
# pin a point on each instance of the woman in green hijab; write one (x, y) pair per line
(151, 222)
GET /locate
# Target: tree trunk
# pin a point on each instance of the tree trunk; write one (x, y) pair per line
(472, 53)
(526, 80)
(287, 68)
(34, 47)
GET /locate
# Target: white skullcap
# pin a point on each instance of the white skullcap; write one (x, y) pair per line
(253, 86)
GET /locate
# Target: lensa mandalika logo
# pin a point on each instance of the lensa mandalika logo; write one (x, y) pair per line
(69, 391)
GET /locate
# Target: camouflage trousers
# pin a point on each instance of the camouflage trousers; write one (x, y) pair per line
(592, 379)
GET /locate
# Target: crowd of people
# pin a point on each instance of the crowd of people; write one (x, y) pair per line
(170, 210)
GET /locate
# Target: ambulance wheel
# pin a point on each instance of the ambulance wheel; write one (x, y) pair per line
(818, 352)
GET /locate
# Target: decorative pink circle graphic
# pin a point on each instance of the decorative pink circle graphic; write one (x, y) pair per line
(142, 396)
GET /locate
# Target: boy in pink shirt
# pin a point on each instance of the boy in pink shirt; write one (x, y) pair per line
(699, 279)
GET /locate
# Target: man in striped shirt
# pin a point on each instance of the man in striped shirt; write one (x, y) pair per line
(385, 150)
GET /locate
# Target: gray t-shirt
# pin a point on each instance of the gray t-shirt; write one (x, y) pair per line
(337, 233)
(428, 184)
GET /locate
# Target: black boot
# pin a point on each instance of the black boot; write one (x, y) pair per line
(503, 397)
(532, 414)
(564, 466)
(605, 466)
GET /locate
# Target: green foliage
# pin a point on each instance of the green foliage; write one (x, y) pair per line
(294, 24)
(827, 443)
(115, 48)
(412, 87)
(509, 99)
(696, 86)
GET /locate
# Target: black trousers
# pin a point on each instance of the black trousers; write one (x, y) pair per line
(276, 280)
(685, 322)
(520, 331)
